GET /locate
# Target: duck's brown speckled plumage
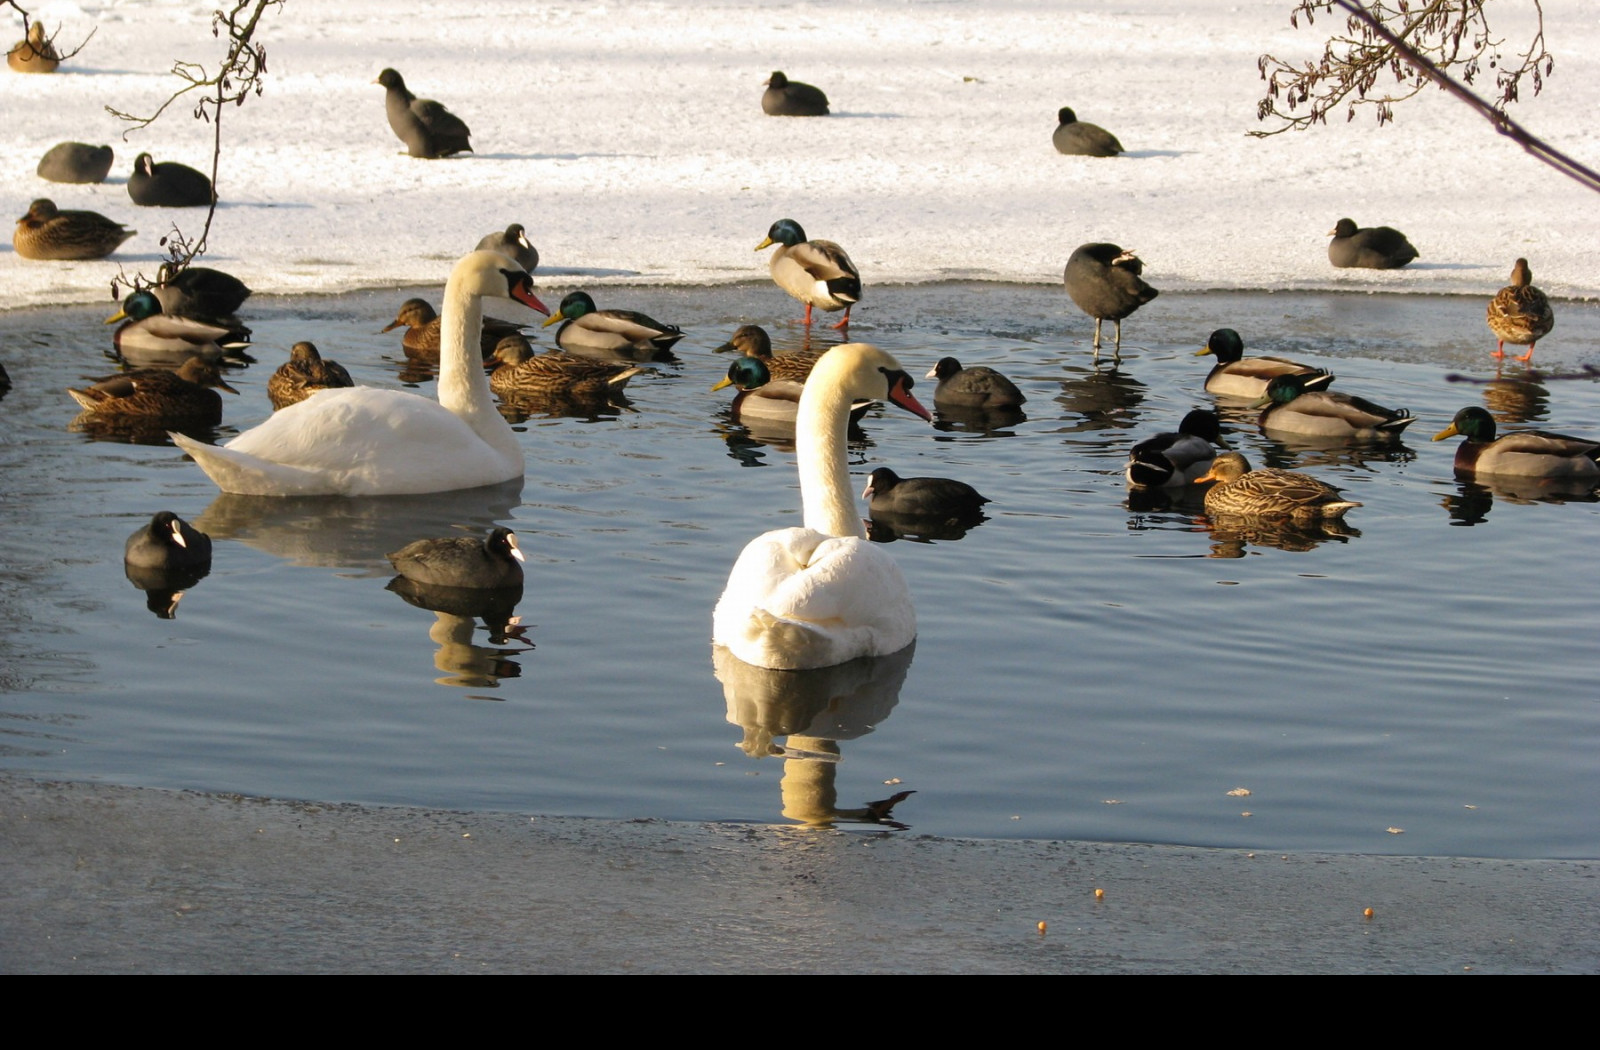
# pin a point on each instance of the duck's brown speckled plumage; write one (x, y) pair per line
(47, 232)
(153, 396)
(304, 374)
(1519, 313)
(1269, 494)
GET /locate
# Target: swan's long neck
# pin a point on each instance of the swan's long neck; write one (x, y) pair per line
(821, 434)
(463, 386)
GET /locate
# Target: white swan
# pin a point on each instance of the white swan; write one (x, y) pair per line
(822, 595)
(364, 441)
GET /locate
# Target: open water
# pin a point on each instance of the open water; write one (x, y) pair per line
(1088, 666)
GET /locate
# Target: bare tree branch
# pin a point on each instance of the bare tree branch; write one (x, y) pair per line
(239, 76)
(1390, 49)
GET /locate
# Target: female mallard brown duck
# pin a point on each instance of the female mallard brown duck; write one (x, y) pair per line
(1273, 494)
(158, 397)
(818, 273)
(150, 334)
(462, 561)
(47, 232)
(1519, 313)
(1521, 453)
(1235, 375)
(36, 54)
(1293, 408)
(975, 387)
(752, 340)
(1176, 458)
(303, 375)
(422, 325)
(524, 374)
(625, 333)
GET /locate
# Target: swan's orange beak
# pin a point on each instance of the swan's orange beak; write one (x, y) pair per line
(900, 394)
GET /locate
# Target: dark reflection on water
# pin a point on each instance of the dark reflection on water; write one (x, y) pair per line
(1091, 662)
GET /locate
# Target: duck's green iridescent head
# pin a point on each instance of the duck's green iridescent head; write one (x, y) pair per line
(574, 306)
(138, 306)
(1283, 389)
(1225, 344)
(786, 232)
(1471, 422)
(746, 373)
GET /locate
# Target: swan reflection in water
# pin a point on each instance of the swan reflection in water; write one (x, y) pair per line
(457, 611)
(814, 710)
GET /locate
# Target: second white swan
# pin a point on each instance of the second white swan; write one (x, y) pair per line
(363, 441)
(823, 594)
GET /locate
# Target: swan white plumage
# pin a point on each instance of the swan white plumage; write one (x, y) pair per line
(822, 594)
(363, 441)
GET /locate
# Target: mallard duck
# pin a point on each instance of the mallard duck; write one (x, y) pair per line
(1176, 458)
(822, 594)
(513, 243)
(1281, 494)
(424, 331)
(201, 294)
(364, 441)
(47, 232)
(1292, 408)
(168, 545)
(790, 98)
(623, 332)
(75, 162)
(460, 561)
(1521, 453)
(752, 340)
(1519, 313)
(975, 387)
(1075, 138)
(521, 373)
(1368, 248)
(818, 273)
(35, 54)
(426, 127)
(149, 332)
(168, 185)
(762, 398)
(1235, 375)
(1104, 282)
(159, 397)
(887, 493)
(303, 375)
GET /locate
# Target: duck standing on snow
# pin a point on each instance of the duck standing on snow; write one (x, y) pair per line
(168, 185)
(1519, 313)
(1105, 283)
(1075, 138)
(822, 594)
(818, 273)
(1235, 375)
(790, 98)
(427, 128)
(1369, 248)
